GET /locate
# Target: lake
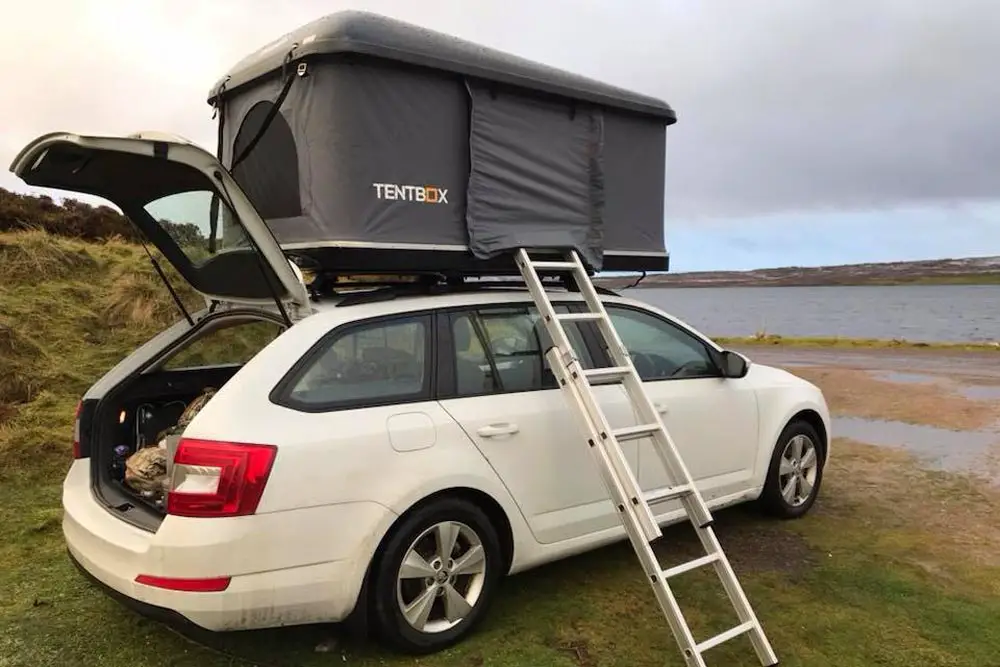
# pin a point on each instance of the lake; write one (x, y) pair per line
(912, 312)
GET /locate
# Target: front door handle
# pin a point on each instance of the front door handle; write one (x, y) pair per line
(497, 430)
(661, 408)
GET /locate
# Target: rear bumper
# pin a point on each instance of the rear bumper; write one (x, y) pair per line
(287, 568)
(161, 614)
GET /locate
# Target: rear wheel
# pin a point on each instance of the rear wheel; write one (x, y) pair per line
(436, 577)
(795, 473)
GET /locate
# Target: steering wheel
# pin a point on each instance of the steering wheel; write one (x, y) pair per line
(689, 365)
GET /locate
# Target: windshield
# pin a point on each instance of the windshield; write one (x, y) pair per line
(187, 217)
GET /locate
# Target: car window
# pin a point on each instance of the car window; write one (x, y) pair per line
(502, 349)
(377, 363)
(659, 349)
(234, 344)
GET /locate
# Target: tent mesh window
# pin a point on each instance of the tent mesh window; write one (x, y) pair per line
(270, 172)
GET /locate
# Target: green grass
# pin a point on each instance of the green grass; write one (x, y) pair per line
(838, 588)
(844, 596)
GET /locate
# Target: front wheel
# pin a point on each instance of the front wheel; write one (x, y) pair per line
(795, 473)
(436, 577)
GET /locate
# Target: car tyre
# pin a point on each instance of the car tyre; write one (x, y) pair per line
(426, 597)
(795, 473)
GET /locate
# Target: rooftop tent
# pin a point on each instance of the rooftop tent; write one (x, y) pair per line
(369, 144)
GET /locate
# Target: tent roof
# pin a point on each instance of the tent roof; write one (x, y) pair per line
(370, 34)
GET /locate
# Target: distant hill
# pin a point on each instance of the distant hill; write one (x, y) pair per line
(969, 271)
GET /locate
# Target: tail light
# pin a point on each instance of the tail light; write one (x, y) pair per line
(218, 479)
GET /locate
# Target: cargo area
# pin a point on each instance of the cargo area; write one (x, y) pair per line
(133, 431)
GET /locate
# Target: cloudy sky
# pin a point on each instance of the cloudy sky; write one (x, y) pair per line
(809, 132)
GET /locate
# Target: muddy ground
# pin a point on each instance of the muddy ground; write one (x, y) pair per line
(941, 407)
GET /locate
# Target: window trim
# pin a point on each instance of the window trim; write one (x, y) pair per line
(281, 394)
(713, 354)
(448, 382)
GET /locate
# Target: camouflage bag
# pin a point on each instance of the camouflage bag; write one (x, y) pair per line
(193, 408)
(146, 471)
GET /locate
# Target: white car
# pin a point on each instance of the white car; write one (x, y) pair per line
(385, 456)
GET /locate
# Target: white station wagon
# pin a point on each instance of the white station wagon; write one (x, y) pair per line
(388, 454)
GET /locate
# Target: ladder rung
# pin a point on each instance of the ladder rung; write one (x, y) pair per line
(607, 373)
(579, 317)
(554, 266)
(723, 637)
(635, 432)
(670, 493)
(690, 565)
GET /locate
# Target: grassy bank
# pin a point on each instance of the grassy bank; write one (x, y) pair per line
(839, 342)
(877, 574)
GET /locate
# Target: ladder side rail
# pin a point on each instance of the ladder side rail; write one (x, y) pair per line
(737, 597)
(632, 524)
(663, 443)
(582, 396)
(623, 488)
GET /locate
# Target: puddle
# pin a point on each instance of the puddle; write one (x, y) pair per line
(953, 451)
(898, 377)
(980, 392)
(975, 392)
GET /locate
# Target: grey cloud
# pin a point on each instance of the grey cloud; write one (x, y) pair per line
(783, 105)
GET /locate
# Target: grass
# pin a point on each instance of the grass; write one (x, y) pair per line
(764, 338)
(876, 575)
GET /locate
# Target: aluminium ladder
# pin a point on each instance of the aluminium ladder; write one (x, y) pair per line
(634, 505)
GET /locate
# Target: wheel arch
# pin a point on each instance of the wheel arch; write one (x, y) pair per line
(484, 501)
(813, 418)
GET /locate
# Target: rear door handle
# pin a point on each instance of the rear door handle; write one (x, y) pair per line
(661, 408)
(497, 430)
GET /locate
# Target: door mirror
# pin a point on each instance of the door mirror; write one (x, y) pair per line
(733, 365)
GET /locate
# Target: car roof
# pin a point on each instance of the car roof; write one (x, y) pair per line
(342, 308)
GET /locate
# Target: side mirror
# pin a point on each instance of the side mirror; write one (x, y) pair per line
(733, 365)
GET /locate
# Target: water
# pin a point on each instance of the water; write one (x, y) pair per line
(924, 313)
(975, 392)
(954, 451)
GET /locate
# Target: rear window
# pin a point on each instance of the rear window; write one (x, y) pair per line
(228, 345)
(375, 363)
(198, 225)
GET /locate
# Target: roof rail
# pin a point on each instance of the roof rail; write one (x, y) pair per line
(373, 292)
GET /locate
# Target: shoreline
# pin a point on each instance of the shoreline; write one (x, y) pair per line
(989, 279)
(857, 343)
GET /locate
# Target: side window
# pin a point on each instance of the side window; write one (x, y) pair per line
(234, 344)
(377, 363)
(660, 350)
(502, 350)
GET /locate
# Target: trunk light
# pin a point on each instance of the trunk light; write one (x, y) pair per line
(218, 479)
(76, 432)
(212, 585)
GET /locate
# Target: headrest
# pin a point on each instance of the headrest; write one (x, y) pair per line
(462, 331)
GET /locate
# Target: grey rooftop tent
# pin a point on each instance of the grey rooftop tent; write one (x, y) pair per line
(369, 144)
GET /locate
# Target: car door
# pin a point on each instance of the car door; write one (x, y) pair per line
(497, 385)
(712, 419)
